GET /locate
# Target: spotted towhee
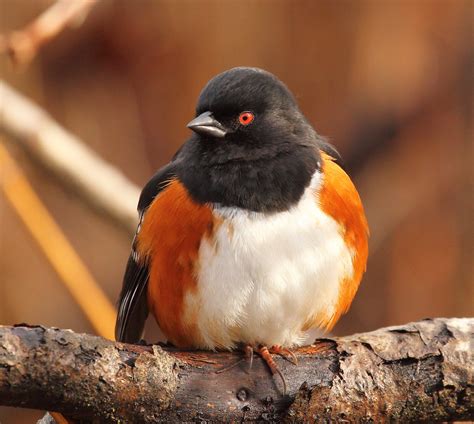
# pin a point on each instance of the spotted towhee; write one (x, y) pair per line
(252, 234)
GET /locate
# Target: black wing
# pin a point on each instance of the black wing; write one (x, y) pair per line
(328, 148)
(132, 305)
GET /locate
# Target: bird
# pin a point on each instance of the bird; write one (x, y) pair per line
(251, 235)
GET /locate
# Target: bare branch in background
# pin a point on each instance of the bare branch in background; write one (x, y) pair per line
(56, 247)
(23, 45)
(413, 373)
(100, 184)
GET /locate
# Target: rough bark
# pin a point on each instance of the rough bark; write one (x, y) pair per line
(421, 371)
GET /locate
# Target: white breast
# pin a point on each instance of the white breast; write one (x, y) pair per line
(264, 275)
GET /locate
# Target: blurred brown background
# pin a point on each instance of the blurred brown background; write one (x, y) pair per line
(389, 82)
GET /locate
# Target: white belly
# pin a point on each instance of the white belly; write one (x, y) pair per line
(263, 276)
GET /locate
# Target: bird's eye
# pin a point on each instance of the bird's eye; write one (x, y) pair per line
(245, 118)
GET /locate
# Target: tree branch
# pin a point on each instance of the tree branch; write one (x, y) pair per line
(23, 45)
(417, 372)
(99, 183)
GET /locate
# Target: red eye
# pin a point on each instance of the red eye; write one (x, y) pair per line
(246, 118)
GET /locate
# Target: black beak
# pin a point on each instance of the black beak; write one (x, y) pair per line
(206, 124)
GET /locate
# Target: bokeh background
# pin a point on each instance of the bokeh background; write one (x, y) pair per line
(388, 82)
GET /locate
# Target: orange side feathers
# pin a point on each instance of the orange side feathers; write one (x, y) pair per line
(170, 237)
(339, 198)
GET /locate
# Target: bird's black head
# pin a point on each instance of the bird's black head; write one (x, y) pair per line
(251, 108)
(252, 146)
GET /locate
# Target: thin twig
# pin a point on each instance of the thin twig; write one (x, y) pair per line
(22, 46)
(54, 244)
(75, 164)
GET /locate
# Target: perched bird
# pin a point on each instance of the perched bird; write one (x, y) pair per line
(252, 234)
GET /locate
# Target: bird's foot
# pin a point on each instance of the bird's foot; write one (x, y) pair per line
(266, 354)
(248, 350)
(284, 353)
(268, 358)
